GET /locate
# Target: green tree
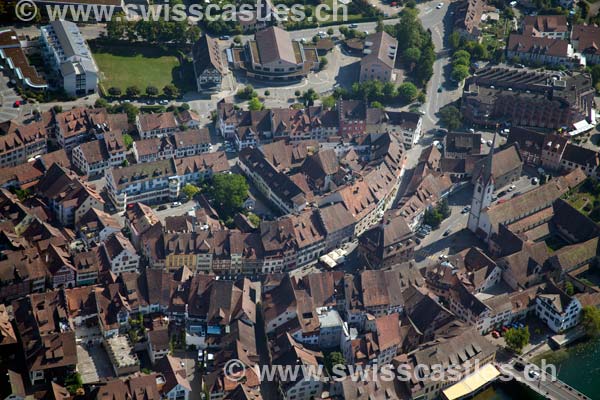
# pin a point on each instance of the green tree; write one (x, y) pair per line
(444, 208)
(461, 57)
(114, 91)
(450, 117)
(412, 55)
(432, 217)
(328, 102)
(590, 320)
(255, 105)
(152, 91)
(128, 141)
(101, 103)
(131, 111)
(330, 31)
(408, 92)
(229, 192)
(247, 92)
(454, 40)
(460, 72)
(322, 63)
(569, 288)
(254, 219)
(517, 338)
(237, 39)
(73, 382)
(133, 91)
(376, 104)
(308, 98)
(171, 90)
(267, 93)
(332, 359)
(190, 191)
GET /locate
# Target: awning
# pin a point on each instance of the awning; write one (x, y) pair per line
(472, 383)
(581, 127)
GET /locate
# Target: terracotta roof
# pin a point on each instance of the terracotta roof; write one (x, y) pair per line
(207, 54)
(275, 44)
(150, 122)
(588, 37)
(538, 45)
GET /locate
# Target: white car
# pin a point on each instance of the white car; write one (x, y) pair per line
(489, 143)
(176, 204)
(511, 188)
(440, 5)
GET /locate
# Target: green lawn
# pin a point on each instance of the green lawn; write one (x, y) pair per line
(141, 66)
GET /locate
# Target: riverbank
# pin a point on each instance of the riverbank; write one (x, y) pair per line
(577, 365)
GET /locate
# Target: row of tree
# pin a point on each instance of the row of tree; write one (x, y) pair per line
(160, 31)
(380, 92)
(132, 92)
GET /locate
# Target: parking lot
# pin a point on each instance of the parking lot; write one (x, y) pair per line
(7, 100)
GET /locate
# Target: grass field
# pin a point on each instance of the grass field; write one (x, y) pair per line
(140, 66)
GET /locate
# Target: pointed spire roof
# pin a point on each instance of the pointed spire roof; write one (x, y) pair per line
(486, 172)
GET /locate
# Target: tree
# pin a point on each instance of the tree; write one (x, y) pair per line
(127, 141)
(408, 92)
(569, 288)
(450, 117)
(101, 103)
(255, 105)
(133, 91)
(190, 191)
(444, 208)
(322, 63)
(254, 219)
(229, 192)
(131, 111)
(590, 320)
(332, 359)
(171, 90)
(460, 72)
(454, 40)
(247, 92)
(432, 217)
(73, 382)
(328, 102)
(237, 39)
(152, 91)
(308, 98)
(376, 104)
(114, 91)
(330, 31)
(517, 338)
(412, 55)
(461, 57)
(267, 93)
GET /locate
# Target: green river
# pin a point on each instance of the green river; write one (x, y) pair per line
(578, 366)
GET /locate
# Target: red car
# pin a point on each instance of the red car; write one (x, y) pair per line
(17, 104)
(504, 328)
(495, 334)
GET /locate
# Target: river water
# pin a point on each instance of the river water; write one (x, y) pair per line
(578, 366)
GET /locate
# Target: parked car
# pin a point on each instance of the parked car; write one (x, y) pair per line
(447, 232)
(225, 37)
(502, 193)
(176, 204)
(439, 6)
(495, 334)
(466, 210)
(440, 89)
(353, 26)
(535, 181)
(511, 188)
(533, 374)
(162, 207)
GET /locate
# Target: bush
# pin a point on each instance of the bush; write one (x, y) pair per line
(247, 93)
(133, 91)
(171, 91)
(114, 91)
(101, 103)
(152, 91)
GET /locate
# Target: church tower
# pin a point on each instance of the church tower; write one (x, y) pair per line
(483, 191)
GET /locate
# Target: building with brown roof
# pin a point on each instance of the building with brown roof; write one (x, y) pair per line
(273, 56)
(16, 62)
(209, 66)
(507, 166)
(585, 40)
(467, 18)
(527, 97)
(543, 50)
(79, 125)
(120, 253)
(67, 195)
(379, 58)
(95, 157)
(95, 226)
(46, 335)
(391, 242)
(19, 143)
(156, 125)
(549, 26)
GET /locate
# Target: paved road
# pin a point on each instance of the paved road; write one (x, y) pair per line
(436, 21)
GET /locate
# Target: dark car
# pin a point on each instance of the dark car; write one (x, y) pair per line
(502, 193)
(440, 89)
(447, 232)
(162, 207)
